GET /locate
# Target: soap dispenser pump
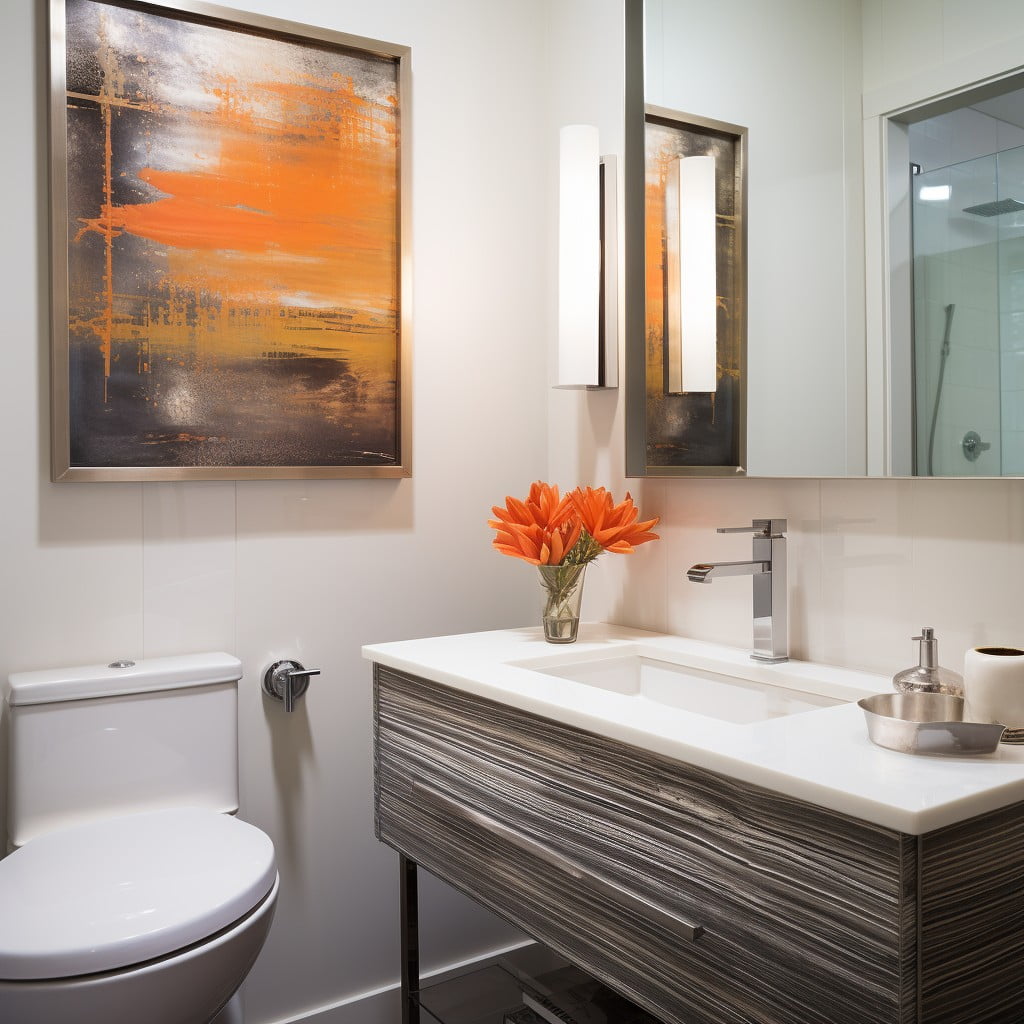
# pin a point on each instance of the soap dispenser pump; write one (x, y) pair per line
(928, 676)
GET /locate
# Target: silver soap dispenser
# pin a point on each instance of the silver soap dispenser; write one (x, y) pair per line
(928, 676)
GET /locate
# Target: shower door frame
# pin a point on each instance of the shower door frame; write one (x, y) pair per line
(888, 112)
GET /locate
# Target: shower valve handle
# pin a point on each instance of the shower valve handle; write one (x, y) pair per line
(973, 446)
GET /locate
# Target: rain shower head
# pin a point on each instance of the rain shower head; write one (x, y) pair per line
(995, 209)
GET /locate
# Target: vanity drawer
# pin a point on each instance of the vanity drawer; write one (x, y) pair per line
(706, 900)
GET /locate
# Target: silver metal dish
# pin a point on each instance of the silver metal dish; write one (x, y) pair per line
(927, 723)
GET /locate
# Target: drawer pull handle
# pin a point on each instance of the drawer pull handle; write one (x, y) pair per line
(670, 922)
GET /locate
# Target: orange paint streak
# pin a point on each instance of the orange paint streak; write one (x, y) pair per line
(658, 160)
(662, 148)
(654, 230)
(316, 182)
(273, 233)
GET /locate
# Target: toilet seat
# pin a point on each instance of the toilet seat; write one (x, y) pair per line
(126, 890)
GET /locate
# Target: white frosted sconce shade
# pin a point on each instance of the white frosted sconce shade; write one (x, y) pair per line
(692, 277)
(587, 254)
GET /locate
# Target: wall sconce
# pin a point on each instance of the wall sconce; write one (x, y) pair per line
(692, 277)
(588, 308)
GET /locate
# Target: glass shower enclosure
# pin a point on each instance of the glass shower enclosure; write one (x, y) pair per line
(968, 317)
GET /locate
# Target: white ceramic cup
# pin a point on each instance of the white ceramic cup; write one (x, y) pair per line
(994, 689)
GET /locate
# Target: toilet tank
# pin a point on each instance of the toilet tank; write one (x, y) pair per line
(103, 740)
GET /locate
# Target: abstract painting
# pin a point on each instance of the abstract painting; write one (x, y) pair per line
(227, 246)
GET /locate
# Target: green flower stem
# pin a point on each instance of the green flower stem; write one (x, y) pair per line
(586, 549)
(560, 584)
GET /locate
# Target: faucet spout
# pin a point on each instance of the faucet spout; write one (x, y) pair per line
(768, 569)
(705, 572)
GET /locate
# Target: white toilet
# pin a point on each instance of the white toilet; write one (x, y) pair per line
(131, 892)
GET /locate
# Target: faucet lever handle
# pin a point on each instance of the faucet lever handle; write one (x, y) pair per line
(765, 527)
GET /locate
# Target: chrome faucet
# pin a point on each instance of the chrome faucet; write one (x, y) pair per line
(768, 567)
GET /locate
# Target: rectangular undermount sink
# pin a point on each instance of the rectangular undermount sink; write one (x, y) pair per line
(729, 698)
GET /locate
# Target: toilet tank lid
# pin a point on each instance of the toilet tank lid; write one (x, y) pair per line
(85, 681)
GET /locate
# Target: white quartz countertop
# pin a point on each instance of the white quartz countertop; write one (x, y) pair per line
(822, 756)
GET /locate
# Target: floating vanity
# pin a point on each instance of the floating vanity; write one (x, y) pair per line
(716, 839)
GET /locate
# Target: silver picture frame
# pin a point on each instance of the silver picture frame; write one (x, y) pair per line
(92, 440)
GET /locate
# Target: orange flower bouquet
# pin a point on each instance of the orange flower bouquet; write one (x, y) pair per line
(561, 536)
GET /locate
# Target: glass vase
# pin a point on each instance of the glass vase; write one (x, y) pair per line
(563, 591)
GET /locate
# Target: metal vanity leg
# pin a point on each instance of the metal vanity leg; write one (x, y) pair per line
(410, 941)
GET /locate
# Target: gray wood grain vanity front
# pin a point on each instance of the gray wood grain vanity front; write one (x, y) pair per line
(706, 900)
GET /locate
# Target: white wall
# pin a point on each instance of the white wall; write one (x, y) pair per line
(313, 570)
(944, 43)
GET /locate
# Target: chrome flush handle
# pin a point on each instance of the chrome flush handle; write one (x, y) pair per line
(287, 681)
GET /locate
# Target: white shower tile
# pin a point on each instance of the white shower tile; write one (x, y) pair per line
(1011, 255)
(1011, 331)
(977, 285)
(1012, 462)
(1009, 401)
(1013, 411)
(1011, 292)
(974, 367)
(931, 226)
(947, 454)
(1009, 136)
(969, 408)
(1012, 370)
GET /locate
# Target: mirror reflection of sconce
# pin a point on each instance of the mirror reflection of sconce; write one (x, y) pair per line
(588, 311)
(692, 328)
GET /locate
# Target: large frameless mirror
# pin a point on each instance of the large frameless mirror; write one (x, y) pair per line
(884, 306)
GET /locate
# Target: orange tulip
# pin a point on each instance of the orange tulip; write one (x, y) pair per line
(544, 529)
(541, 529)
(613, 527)
(541, 506)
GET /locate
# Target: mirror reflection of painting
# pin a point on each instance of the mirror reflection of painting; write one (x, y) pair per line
(693, 422)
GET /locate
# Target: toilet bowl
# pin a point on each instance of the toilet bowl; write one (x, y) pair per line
(129, 914)
(152, 915)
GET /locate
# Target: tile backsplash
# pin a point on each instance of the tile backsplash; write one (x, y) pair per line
(870, 562)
